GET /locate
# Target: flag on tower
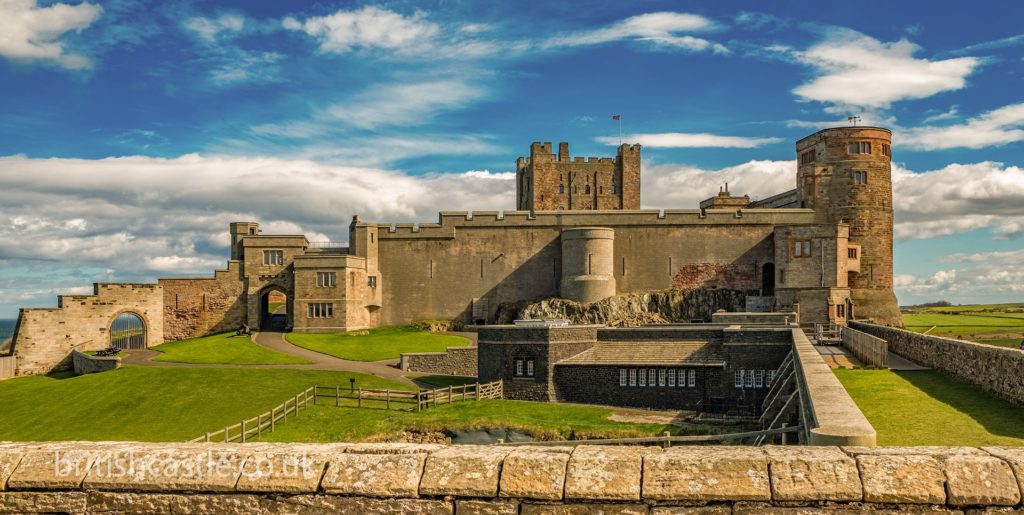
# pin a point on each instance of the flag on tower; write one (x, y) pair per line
(616, 117)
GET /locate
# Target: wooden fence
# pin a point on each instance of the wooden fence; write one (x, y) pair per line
(364, 398)
(7, 367)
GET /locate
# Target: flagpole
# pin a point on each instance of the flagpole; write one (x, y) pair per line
(620, 130)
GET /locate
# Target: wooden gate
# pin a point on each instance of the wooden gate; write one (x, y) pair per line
(128, 331)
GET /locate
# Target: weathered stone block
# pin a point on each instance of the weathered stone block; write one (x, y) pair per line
(604, 473)
(831, 509)
(9, 459)
(394, 448)
(980, 480)
(42, 502)
(282, 472)
(374, 475)
(1014, 456)
(813, 474)
(934, 451)
(323, 504)
(583, 509)
(196, 468)
(486, 507)
(902, 479)
(691, 510)
(535, 474)
(708, 474)
(52, 468)
(471, 471)
(128, 502)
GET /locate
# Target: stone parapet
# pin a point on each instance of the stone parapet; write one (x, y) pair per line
(128, 477)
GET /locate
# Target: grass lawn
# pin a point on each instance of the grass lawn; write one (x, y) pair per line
(546, 421)
(153, 403)
(932, 408)
(272, 306)
(223, 349)
(380, 343)
(440, 381)
(962, 325)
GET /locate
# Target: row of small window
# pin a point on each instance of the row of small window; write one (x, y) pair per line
(273, 257)
(754, 378)
(523, 368)
(326, 279)
(857, 147)
(586, 189)
(320, 310)
(672, 378)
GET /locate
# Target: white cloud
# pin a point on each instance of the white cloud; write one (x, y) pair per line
(997, 127)
(210, 28)
(672, 186)
(368, 28)
(32, 33)
(666, 29)
(858, 71)
(688, 140)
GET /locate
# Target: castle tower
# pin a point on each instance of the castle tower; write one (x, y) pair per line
(240, 230)
(845, 175)
(551, 182)
(588, 264)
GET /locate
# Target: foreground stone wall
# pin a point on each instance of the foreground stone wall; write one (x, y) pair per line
(405, 478)
(997, 370)
(456, 361)
(85, 364)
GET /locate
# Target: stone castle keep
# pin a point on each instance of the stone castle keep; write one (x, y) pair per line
(823, 249)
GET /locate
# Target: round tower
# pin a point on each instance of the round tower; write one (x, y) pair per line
(845, 175)
(588, 264)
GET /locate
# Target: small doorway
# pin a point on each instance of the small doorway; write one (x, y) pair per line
(274, 310)
(768, 280)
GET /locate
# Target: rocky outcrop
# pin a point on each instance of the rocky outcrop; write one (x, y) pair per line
(630, 309)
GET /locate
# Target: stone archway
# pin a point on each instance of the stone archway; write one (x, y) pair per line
(128, 331)
(274, 309)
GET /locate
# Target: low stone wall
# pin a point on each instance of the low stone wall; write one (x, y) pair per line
(456, 361)
(108, 477)
(997, 370)
(85, 364)
(828, 410)
(870, 350)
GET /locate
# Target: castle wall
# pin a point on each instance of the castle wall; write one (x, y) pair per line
(347, 296)
(200, 306)
(550, 182)
(434, 271)
(46, 337)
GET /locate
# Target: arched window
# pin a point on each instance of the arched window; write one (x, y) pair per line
(561, 188)
(128, 331)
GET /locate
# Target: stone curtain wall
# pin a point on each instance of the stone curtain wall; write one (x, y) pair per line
(86, 364)
(997, 370)
(197, 307)
(871, 350)
(457, 361)
(84, 478)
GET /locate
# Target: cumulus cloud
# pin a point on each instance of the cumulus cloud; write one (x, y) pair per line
(671, 186)
(688, 140)
(368, 28)
(665, 29)
(858, 71)
(997, 127)
(29, 32)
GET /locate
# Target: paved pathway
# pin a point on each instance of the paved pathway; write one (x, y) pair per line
(838, 357)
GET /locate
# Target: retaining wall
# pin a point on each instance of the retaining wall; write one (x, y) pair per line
(870, 350)
(456, 361)
(997, 370)
(85, 364)
(407, 478)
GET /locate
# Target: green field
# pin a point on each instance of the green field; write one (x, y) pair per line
(153, 403)
(377, 344)
(544, 421)
(932, 408)
(996, 324)
(223, 349)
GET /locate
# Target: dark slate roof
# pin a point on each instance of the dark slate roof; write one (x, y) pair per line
(661, 353)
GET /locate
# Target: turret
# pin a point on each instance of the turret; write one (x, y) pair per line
(845, 175)
(240, 230)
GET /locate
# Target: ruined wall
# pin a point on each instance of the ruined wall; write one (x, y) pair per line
(436, 479)
(46, 337)
(434, 271)
(456, 361)
(199, 306)
(997, 370)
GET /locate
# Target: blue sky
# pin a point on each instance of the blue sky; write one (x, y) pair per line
(132, 132)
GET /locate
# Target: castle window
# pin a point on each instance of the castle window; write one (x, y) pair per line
(650, 377)
(859, 147)
(600, 189)
(840, 311)
(770, 378)
(371, 281)
(320, 310)
(632, 377)
(739, 379)
(672, 377)
(643, 377)
(561, 188)
(851, 253)
(782, 276)
(273, 257)
(252, 230)
(692, 381)
(586, 189)
(524, 367)
(885, 150)
(326, 279)
(623, 373)
(807, 157)
(802, 248)
(860, 177)
(661, 377)
(575, 189)
(759, 378)
(612, 189)
(748, 379)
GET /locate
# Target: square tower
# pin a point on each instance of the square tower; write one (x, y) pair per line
(549, 182)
